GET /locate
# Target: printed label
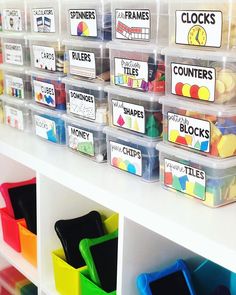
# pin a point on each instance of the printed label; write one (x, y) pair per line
(14, 118)
(82, 63)
(185, 179)
(83, 22)
(43, 20)
(44, 58)
(14, 86)
(194, 133)
(131, 73)
(199, 28)
(81, 140)
(12, 20)
(134, 24)
(13, 53)
(126, 158)
(193, 81)
(44, 93)
(45, 128)
(82, 104)
(128, 116)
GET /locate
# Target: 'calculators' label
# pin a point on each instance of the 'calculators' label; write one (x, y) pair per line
(82, 63)
(128, 116)
(193, 81)
(83, 22)
(44, 58)
(185, 179)
(126, 158)
(14, 86)
(81, 140)
(82, 104)
(190, 132)
(13, 54)
(44, 93)
(12, 20)
(45, 128)
(43, 20)
(133, 24)
(14, 118)
(198, 28)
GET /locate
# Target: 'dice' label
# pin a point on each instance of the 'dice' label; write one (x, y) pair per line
(83, 22)
(82, 104)
(45, 128)
(14, 118)
(190, 132)
(14, 86)
(13, 54)
(199, 27)
(193, 81)
(12, 20)
(44, 93)
(44, 58)
(185, 179)
(43, 20)
(82, 63)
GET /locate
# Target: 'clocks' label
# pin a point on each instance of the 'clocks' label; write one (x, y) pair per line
(44, 93)
(43, 20)
(14, 118)
(82, 63)
(13, 54)
(83, 22)
(44, 58)
(82, 104)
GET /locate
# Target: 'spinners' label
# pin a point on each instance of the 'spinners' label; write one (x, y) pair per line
(83, 22)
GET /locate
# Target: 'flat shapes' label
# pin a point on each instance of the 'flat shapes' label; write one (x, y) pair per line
(82, 104)
(199, 27)
(193, 81)
(126, 158)
(12, 20)
(82, 63)
(185, 179)
(43, 20)
(81, 140)
(128, 116)
(45, 128)
(14, 86)
(14, 118)
(131, 73)
(83, 22)
(44, 58)
(190, 132)
(44, 93)
(13, 54)
(134, 24)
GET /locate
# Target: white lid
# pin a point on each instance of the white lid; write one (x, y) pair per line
(135, 47)
(45, 111)
(43, 37)
(15, 101)
(83, 123)
(84, 44)
(12, 68)
(84, 84)
(196, 158)
(12, 35)
(44, 75)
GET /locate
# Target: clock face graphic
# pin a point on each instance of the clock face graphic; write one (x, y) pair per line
(197, 36)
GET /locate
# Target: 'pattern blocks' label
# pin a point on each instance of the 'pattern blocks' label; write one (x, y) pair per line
(45, 128)
(82, 63)
(82, 104)
(43, 20)
(44, 93)
(44, 58)
(12, 20)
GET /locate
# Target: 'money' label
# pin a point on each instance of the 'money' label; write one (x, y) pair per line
(82, 63)
(83, 22)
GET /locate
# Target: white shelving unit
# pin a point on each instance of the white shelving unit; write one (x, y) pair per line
(155, 226)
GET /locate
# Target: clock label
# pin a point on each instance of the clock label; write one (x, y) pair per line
(198, 28)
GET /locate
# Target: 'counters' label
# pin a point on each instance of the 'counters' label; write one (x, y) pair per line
(44, 58)
(199, 28)
(14, 117)
(14, 86)
(45, 128)
(82, 63)
(83, 22)
(43, 20)
(128, 116)
(194, 133)
(12, 20)
(82, 104)
(193, 81)
(126, 158)
(13, 54)
(134, 24)
(185, 179)
(44, 93)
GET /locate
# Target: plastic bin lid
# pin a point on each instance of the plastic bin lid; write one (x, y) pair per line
(84, 44)
(84, 84)
(12, 68)
(13, 35)
(44, 75)
(43, 37)
(46, 111)
(135, 47)
(15, 101)
(83, 123)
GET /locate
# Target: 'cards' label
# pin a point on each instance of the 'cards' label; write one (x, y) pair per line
(128, 116)
(193, 81)
(134, 24)
(13, 54)
(14, 86)
(44, 58)
(45, 128)
(82, 104)
(12, 20)
(43, 20)
(14, 118)
(199, 28)
(83, 22)
(190, 132)
(82, 64)
(44, 93)
(131, 73)
(81, 140)
(126, 158)
(185, 179)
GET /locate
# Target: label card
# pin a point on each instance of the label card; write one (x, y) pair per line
(44, 93)
(43, 20)
(14, 117)
(12, 20)
(82, 104)
(13, 54)
(45, 128)
(44, 58)
(14, 86)
(82, 63)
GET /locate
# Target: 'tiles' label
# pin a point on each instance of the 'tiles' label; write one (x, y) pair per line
(44, 93)
(199, 27)
(82, 104)
(12, 20)
(82, 63)
(45, 128)
(190, 132)
(128, 116)
(14, 86)
(44, 58)
(13, 54)
(126, 158)
(185, 179)
(83, 22)
(193, 81)
(43, 20)
(134, 24)
(14, 118)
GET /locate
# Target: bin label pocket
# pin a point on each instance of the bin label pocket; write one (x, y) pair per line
(82, 104)
(43, 20)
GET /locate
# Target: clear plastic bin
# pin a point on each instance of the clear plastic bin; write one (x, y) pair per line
(140, 21)
(1, 112)
(88, 19)
(138, 68)
(48, 90)
(88, 60)
(199, 127)
(87, 138)
(135, 112)
(133, 154)
(208, 25)
(210, 181)
(86, 100)
(199, 75)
